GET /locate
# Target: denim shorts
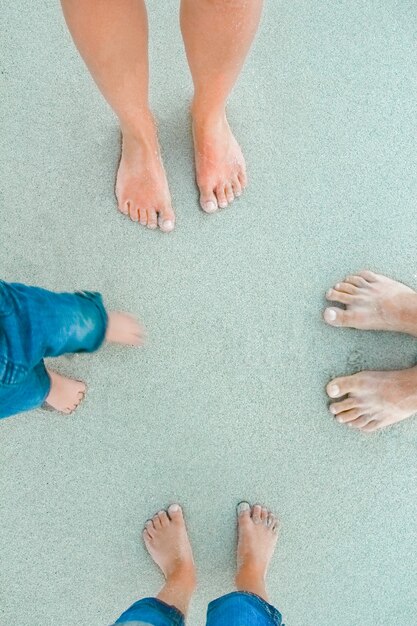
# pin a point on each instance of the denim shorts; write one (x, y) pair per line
(239, 608)
(36, 323)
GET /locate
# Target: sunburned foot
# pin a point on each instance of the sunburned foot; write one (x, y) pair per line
(220, 166)
(257, 538)
(373, 302)
(166, 540)
(124, 329)
(374, 399)
(65, 393)
(141, 186)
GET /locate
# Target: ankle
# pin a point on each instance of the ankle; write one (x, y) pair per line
(206, 114)
(183, 576)
(141, 129)
(251, 581)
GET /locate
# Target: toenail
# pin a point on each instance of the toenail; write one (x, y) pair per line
(174, 508)
(242, 507)
(222, 205)
(334, 391)
(210, 207)
(168, 225)
(331, 314)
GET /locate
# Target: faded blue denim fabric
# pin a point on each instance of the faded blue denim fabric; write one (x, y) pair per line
(151, 612)
(239, 608)
(37, 323)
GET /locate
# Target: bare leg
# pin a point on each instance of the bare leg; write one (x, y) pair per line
(166, 540)
(112, 37)
(217, 36)
(257, 538)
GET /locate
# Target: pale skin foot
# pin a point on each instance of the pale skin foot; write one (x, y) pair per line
(124, 329)
(373, 302)
(65, 394)
(141, 186)
(374, 399)
(257, 538)
(166, 540)
(220, 166)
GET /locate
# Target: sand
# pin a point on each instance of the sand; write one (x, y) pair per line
(226, 402)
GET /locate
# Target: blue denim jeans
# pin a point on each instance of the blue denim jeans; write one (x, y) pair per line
(239, 608)
(36, 323)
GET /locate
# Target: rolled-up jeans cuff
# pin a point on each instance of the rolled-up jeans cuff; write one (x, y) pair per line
(268, 614)
(152, 612)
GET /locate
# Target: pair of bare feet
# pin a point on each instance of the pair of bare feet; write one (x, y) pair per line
(373, 400)
(66, 394)
(166, 540)
(142, 189)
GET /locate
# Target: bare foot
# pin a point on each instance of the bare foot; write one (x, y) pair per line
(141, 186)
(257, 538)
(374, 399)
(166, 540)
(373, 302)
(220, 166)
(124, 329)
(65, 394)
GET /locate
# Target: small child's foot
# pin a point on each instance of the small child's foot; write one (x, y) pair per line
(124, 329)
(166, 540)
(373, 302)
(65, 393)
(257, 538)
(219, 162)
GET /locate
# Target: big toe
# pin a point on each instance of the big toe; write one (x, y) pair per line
(208, 200)
(175, 513)
(339, 387)
(338, 317)
(166, 219)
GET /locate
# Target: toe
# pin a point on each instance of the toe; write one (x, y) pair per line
(149, 527)
(344, 405)
(208, 200)
(163, 518)
(346, 288)
(152, 219)
(221, 196)
(166, 220)
(339, 317)
(175, 513)
(339, 296)
(156, 522)
(143, 216)
(349, 416)
(356, 280)
(361, 421)
(371, 427)
(133, 212)
(146, 536)
(229, 193)
(124, 207)
(371, 277)
(243, 510)
(264, 515)
(271, 520)
(237, 187)
(243, 179)
(342, 386)
(256, 514)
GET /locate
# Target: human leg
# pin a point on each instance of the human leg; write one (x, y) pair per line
(217, 36)
(112, 38)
